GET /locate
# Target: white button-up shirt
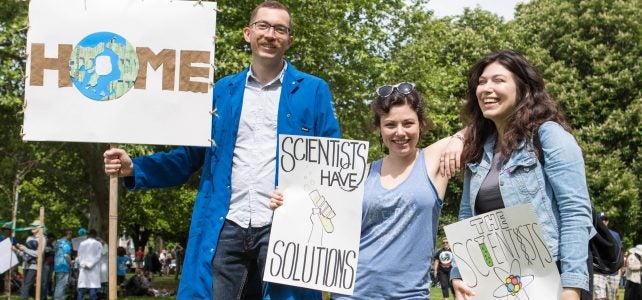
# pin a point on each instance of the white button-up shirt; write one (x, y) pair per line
(253, 165)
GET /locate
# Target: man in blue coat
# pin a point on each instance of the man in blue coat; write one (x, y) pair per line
(231, 220)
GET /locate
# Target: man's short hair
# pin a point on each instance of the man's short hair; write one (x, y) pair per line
(273, 5)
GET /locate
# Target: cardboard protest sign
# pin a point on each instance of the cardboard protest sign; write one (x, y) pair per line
(502, 255)
(314, 242)
(119, 71)
(8, 258)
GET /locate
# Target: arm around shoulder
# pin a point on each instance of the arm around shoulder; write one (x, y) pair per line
(448, 153)
(450, 160)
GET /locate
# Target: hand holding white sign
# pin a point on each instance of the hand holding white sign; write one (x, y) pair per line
(277, 199)
(314, 241)
(118, 162)
(502, 254)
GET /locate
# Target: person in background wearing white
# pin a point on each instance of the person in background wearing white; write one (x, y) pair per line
(164, 263)
(633, 264)
(104, 267)
(89, 254)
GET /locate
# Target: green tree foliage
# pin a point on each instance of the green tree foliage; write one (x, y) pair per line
(38, 173)
(595, 48)
(588, 51)
(17, 160)
(614, 162)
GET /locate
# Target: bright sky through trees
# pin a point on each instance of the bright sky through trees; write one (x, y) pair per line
(503, 8)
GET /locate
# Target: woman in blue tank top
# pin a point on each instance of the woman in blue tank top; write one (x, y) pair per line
(402, 202)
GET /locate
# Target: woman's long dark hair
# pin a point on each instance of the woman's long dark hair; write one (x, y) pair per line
(534, 106)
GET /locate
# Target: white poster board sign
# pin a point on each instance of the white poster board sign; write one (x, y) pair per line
(502, 255)
(314, 242)
(119, 71)
(8, 258)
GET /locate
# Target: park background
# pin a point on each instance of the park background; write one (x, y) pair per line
(589, 53)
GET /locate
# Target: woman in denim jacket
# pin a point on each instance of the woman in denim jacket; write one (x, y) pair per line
(508, 111)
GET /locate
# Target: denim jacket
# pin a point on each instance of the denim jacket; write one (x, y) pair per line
(557, 190)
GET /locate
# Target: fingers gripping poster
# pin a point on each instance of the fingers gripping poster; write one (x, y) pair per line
(119, 71)
(503, 255)
(314, 242)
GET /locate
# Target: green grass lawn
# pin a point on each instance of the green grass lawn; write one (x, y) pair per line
(435, 294)
(168, 283)
(160, 282)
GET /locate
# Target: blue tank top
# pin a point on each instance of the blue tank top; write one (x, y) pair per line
(398, 229)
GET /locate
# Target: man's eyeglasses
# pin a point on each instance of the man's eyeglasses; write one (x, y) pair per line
(265, 27)
(403, 88)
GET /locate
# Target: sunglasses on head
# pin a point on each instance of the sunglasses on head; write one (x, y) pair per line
(403, 88)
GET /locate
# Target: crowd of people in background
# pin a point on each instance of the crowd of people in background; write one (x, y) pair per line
(75, 267)
(71, 272)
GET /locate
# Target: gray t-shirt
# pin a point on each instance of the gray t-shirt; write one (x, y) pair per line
(489, 197)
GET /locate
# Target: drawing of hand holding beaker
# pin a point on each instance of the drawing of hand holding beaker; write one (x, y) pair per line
(325, 213)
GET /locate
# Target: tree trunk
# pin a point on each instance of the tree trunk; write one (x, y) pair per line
(92, 154)
(140, 235)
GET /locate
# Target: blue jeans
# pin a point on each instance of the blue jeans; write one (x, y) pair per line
(239, 262)
(92, 293)
(62, 280)
(44, 283)
(28, 282)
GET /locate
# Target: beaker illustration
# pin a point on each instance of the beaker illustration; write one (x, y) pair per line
(326, 211)
(487, 258)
